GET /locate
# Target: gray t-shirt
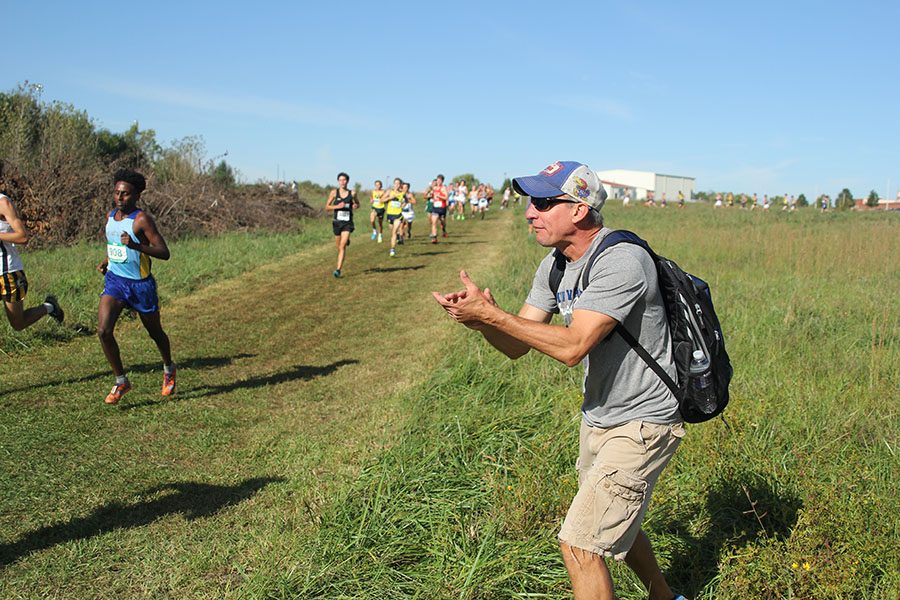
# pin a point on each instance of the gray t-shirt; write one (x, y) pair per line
(618, 385)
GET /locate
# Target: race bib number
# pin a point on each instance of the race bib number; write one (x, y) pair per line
(438, 204)
(342, 215)
(116, 253)
(395, 204)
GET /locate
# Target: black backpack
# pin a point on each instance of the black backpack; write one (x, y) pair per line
(693, 325)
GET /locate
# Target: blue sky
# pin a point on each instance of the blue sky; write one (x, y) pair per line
(766, 97)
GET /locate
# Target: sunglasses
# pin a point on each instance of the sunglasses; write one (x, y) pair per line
(542, 204)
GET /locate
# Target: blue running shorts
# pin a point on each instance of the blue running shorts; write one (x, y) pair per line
(138, 294)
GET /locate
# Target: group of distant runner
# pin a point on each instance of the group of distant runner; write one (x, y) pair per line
(788, 202)
(398, 206)
(650, 200)
(132, 239)
(478, 199)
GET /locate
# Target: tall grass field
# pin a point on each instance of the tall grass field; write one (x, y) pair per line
(344, 439)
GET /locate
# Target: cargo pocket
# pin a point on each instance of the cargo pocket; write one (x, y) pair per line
(615, 501)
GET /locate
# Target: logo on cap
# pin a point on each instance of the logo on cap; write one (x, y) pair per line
(581, 187)
(552, 169)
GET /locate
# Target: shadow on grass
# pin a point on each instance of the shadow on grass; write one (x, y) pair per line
(432, 253)
(190, 499)
(392, 269)
(295, 373)
(205, 362)
(741, 510)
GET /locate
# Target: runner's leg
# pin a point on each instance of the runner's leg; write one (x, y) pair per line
(107, 315)
(341, 241)
(20, 319)
(395, 227)
(154, 328)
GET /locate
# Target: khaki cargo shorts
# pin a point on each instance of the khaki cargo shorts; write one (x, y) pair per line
(617, 469)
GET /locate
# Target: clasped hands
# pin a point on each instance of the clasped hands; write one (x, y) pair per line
(469, 306)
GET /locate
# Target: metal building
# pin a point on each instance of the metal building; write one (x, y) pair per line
(637, 184)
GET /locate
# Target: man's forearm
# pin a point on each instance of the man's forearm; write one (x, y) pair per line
(506, 344)
(564, 344)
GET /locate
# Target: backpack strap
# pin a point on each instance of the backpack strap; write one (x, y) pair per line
(557, 270)
(615, 237)
(612, 238)
(629, 237)
(559, 262)
(651, 362)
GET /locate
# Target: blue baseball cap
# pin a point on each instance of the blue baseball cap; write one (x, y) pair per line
(564, 177)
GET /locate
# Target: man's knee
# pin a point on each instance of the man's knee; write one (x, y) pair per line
(578, 556)
(105, 333)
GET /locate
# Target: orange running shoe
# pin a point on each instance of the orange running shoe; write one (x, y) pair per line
(119, 390)
(168, 388)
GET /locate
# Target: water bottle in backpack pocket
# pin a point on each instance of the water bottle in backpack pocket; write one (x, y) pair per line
(701, 383)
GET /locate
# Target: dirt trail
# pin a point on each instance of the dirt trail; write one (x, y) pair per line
(284, 372)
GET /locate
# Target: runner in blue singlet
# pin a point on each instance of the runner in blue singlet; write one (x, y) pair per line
(131, 240)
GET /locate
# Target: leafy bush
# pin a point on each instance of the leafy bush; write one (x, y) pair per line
(56, 165)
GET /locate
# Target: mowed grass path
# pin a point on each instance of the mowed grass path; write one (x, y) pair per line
(287, 384)
(286, 470)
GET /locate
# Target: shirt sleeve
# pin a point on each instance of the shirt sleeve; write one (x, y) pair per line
(540, 295)
(616, 283)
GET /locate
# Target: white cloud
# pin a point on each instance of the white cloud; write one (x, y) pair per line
(242, 104)
(594, 105)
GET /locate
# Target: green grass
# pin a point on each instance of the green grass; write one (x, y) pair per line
(289, 380)
(70, 274)
(449, 477)
(469, 503)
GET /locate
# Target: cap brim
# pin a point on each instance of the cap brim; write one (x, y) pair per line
(536, 186)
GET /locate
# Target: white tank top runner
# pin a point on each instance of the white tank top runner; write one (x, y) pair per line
(9, 255)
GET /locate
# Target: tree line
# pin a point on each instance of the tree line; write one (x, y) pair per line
(56, 164)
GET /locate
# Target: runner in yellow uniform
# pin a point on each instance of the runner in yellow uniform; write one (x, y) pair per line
(13, 283)
(377, 211)
(394, 211)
